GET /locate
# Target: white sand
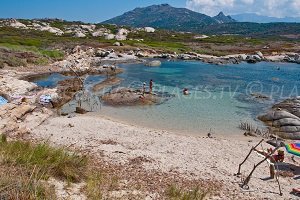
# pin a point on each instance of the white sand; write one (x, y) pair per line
(197, 157)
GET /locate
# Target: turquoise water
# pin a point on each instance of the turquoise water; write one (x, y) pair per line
(220, 95)
(49, 80)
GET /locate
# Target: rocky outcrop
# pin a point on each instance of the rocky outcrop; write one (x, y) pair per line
(17, 120)
(10, 85)
(79, 34)
(16, 24)
(122, 34)
(284, 119)
(66, 91)
(149, 29)
(109, 36)
(154, 63)
(130, 97)
(101, 32)
(50, 29)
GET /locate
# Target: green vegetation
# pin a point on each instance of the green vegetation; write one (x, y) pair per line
(160, 45)
(174, 193)
(232, 39)
(94, 183)
(29, 47)
(54, 162)
(25, 166)
(17, 182)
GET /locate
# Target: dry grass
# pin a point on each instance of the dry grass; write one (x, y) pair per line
(252, 130)
(54, 161)
(175, 193)
(25, 167)
(23, 183)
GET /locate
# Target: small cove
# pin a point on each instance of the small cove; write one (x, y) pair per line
(221, 95)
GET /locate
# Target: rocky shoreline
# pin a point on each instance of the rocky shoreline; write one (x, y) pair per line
(283, 119)
(191, 157)
(87, 61)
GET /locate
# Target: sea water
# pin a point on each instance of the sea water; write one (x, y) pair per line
(221, 96)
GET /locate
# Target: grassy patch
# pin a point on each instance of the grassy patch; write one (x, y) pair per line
(54, 54)
(24, 167)
(23, 183)
(93, 186)
(99, 183)
(160, 45)
(54, 162)
(231, 39)
(175, 193)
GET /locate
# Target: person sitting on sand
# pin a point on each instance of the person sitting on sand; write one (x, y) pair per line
(275, 158)
(185, 91)
(151, 86)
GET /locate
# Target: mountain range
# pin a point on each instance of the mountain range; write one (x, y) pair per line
(167, 17)
(252, 17)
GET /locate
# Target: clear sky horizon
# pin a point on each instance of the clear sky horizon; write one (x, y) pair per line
(100, 10)
(74, 10)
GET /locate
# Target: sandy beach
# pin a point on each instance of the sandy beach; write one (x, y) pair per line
(191, 157)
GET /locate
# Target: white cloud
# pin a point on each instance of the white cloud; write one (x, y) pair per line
(274, 8)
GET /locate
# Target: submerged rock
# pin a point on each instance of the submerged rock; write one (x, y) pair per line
(154, 63)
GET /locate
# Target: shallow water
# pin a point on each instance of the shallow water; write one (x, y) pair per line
(48, 80)
(220, 94)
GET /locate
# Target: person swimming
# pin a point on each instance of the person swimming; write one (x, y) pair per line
(186, 91)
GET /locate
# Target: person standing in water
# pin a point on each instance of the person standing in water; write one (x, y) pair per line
(151, 86)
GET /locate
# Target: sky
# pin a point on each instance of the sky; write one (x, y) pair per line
(100, 10)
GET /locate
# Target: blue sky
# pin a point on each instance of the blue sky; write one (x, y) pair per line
(83, 10)
(100, 10)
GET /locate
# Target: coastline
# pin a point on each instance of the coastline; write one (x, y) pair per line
(190, 156)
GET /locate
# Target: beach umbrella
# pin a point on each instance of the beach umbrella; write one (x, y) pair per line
(293, 148)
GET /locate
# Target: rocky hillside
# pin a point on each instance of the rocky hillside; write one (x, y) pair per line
(222, 18)
(167, 17)
(181, 19)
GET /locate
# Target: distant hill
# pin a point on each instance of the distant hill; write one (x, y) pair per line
(252, 17)
(168, 17)
(221, 18)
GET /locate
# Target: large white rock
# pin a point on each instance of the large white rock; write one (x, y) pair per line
(260, 54)
(79, 34)
(201, 36)
(110, 37)
(17, 24)
(54, 30)
(149, 29)
(154, 63)
(120, 37)
(90, 28)
(98, 34)
(13, 86)
(123, 31)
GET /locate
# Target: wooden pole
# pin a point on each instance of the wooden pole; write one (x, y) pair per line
(252, 149)
(255, 166)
